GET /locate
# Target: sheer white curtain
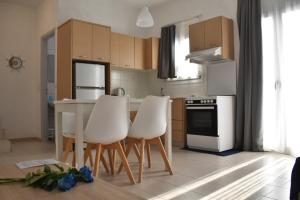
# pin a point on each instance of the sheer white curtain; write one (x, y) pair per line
(281, 69)
(184, 69)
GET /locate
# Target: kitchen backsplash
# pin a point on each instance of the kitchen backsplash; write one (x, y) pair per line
(134, 82)
(139, 84)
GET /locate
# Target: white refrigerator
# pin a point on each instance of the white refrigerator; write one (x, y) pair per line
(88, 81)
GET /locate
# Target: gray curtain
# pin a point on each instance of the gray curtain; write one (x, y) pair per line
(249, 93)
(166, 62)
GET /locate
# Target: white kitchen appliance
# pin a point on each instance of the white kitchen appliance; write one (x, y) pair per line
(210, 123)
(221, 79)
(88, 80)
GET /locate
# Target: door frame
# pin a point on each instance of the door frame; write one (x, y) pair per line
(43, 81)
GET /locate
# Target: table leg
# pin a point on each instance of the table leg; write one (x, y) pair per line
(168, 135)
(79, 136)
(58, 135)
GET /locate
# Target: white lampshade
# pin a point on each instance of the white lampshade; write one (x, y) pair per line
(145, 18)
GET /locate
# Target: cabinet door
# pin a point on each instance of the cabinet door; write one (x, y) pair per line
(197, 37)
(178, 109)
(213, 33)
(139, 53)
(152, 51)
(101, 43)
(126, 46)
(82, 40)
(114, 49)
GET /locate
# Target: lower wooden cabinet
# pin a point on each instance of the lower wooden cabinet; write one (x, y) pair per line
(178, 122)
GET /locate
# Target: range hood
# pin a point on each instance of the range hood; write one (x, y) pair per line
(208, 56)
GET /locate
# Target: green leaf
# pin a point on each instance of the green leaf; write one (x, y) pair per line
(34, 179)
(61, 169)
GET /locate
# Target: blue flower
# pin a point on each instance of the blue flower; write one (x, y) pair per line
(86, 174)
(67, 182)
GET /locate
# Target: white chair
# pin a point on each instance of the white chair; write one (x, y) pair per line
(68, 132)
(107, 127)
(150, 123)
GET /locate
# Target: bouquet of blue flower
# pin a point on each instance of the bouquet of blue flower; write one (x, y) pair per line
(49, 179)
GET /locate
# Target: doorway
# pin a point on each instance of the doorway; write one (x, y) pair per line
(48, 86)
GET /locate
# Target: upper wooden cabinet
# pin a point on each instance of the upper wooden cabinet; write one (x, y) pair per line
(90, 41)
(139, 53)
(215, 32)
(101, 43)
(196, 34)
(126, 51)
(114, 49)
(82, 40)
(152, 51)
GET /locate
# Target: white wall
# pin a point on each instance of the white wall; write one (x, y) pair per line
(177, 10)
(117, 14)
(19, 99)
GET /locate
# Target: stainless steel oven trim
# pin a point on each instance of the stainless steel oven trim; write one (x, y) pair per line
(194, 104)
(200, 108)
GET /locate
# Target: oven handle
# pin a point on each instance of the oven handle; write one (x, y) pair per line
(200, 108)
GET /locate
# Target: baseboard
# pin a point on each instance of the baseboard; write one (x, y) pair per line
(29, 139)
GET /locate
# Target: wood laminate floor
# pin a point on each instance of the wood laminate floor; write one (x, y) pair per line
(246, 175)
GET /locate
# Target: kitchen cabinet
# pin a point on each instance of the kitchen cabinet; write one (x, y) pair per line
(79, 40)
(139, 53)
(82, 40)
(114, 49)
(101, 43)
(90, 41)
(152, 51)
(178, 122)
(126, 51)
(215, 32)
(196, 35)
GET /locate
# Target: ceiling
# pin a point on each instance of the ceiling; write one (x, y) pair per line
(25, 2)
(141, 3)
(137, 3)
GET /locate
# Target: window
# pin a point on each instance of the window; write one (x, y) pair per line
(280, 75)
(183, 68)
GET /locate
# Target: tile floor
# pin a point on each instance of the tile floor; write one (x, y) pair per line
(246, 175)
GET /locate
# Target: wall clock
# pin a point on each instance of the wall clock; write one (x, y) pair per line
(15, 62)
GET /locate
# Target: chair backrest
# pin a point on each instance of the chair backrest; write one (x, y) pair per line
(108, 122)
(151, 118)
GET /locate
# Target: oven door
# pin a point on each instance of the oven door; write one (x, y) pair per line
(202, 120)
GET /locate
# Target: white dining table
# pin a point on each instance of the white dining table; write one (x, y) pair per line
(82, 110)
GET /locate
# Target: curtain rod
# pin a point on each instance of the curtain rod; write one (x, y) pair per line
(183, 20)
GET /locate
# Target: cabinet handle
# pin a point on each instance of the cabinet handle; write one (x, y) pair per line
(82, 56)
(100, 58)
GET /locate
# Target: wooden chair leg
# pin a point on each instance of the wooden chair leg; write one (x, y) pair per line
(141, 160)
(91, 158)
(163, 154)
(104, 162)
(74, 159)
(148, 155)
(68, 149)
(111, 160)
(88, 154)
(129, 147)
(136, 151)
(97, 160)
(124, 161)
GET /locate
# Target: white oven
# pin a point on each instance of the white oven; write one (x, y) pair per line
(210, 123)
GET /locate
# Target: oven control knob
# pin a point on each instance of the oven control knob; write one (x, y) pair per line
(204, 101)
